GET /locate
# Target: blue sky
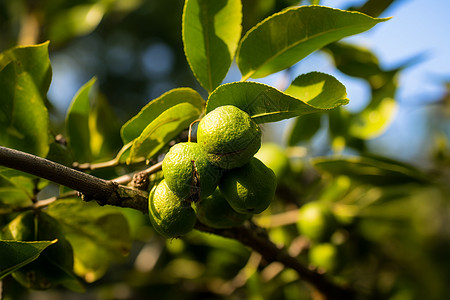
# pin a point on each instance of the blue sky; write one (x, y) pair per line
(418, 29)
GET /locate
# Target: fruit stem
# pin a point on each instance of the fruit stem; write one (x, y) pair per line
(190, 129)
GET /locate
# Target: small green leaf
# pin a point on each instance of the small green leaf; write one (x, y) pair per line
(98, 235)
(308, 93)
(378, 115)
(25, 75)
(318, 89)
(75, 21)
(162, 130)
(77, 123)
(354, 60)
(286, 37)
(134, 127)
(371, 170)
(211, 33)
(304, 128)
(105, 129)
(16, 254)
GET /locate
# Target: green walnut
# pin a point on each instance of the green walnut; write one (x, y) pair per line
(170, 215)
(229, 137)
(188, 173)
(317, 221)
(215, 212)
(326, 257)
(250, 188)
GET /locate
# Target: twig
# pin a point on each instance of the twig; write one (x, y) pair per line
(151, 170)
(94, 166)
(282, 219)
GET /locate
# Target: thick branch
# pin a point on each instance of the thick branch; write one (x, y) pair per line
(104, 191)
(257, 239)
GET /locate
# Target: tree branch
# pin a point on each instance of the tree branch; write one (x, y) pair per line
(111, 193)
(257, 239)
(105, 192)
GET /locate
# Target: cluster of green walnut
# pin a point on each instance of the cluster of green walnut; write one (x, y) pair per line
(216, 180)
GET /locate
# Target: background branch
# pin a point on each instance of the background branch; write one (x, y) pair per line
(257, 239)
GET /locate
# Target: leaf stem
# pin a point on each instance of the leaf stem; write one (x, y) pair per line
(246, 76)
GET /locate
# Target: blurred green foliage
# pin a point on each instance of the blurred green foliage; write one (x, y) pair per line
(392, 219)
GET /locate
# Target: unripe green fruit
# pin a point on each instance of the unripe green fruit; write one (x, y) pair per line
(274, 157)
(317, 221)
(229, 137)
(170, 215)
(250, 188)
(325, 256)
(188, 173)
(215, 212)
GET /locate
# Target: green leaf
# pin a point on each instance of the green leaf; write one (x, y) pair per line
(304, 128)
(286, 37)
(162, 130)
(12, 195)
(98, 235)
(377, 116)
(25, 75)
(16, 254)
(354, 60)
(54, 266)
(318, 89)
(371, 170)
(77, 123)
(134, 127)
(308, 93)
(75, 21)
(105, 129)
(211, 33)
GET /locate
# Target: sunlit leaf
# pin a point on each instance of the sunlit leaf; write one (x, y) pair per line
(134, 127)
(77, 123)
(308, 93)
(163, 129)
(105, 129)
(378, 115)
(98, 235)
(75, 21)
(211, 32)
(371, 170)
(286, 37)
(92, 126)
(16, 254)
(318, 89)
(25, 75)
